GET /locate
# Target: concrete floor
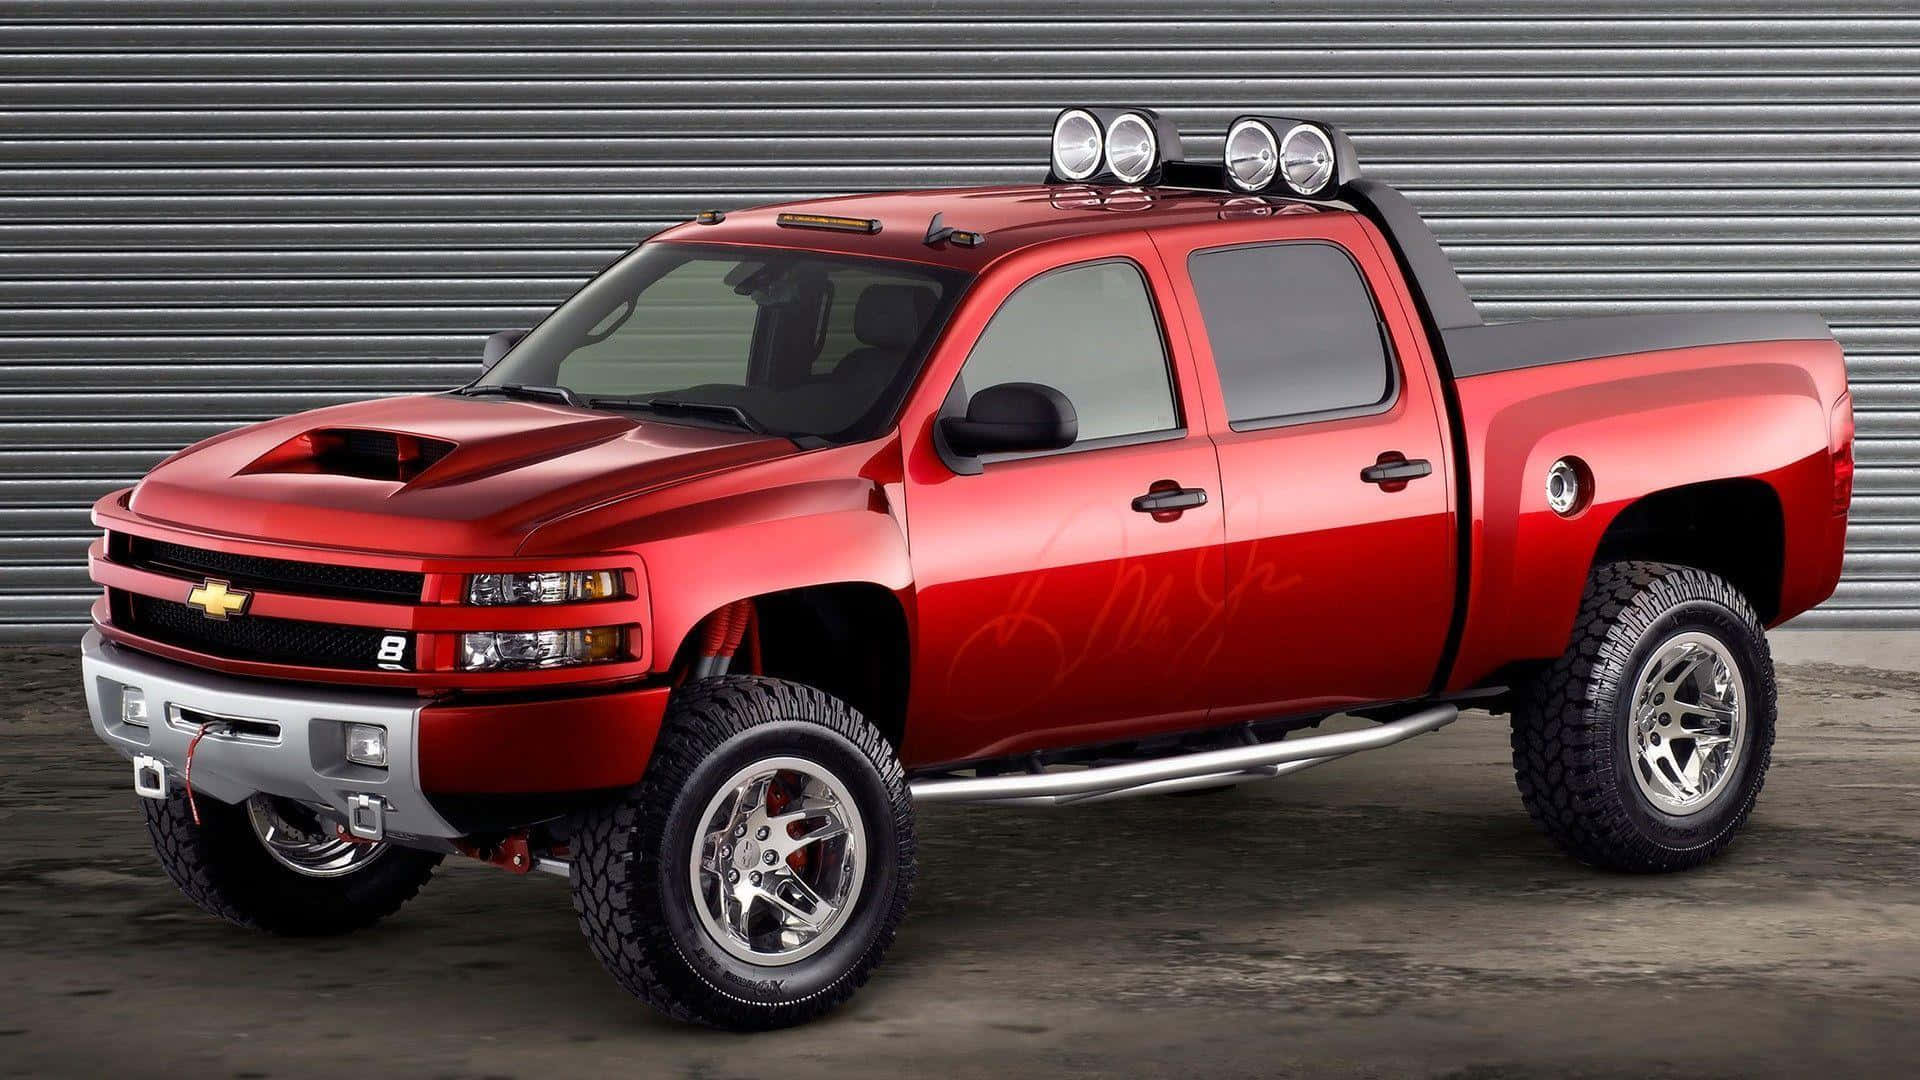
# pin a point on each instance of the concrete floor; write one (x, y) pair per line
(1395, 914)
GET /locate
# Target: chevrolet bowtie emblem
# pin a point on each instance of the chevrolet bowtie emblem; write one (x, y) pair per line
(217, 600)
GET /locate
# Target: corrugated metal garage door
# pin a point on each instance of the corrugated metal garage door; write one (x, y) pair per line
(219, 212)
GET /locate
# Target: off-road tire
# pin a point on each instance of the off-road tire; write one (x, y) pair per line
(221, 865)
(1571, 721)
(631, 857)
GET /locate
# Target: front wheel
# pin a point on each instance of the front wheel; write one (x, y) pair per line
(1644, 747)
(273, 864)
(757, 874)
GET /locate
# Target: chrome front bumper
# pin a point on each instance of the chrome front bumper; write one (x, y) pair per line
(291, 743)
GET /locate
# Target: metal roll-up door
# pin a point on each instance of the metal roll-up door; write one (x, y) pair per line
(218, 212)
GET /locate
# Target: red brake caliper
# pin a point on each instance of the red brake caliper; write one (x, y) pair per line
(777, 800)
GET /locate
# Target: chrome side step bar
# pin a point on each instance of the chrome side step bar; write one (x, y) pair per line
(1185, 772)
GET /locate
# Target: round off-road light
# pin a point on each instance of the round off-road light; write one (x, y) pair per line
(1132, 148)
(1077, 145)
(1252, 155)
(1306, 159)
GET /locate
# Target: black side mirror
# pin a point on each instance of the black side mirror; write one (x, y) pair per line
(498, 345)
(1012, 418)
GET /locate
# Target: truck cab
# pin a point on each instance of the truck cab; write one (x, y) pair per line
(1104, 487)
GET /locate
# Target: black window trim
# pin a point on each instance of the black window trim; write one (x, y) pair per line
(1395, 380)
(952, 407)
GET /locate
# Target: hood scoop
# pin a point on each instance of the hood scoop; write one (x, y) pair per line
(369, 455)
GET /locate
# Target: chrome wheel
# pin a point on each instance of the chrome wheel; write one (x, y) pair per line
(298, 840)
(1689, 723)
(776, 866)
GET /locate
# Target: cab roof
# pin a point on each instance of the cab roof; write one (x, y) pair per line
(1010, 218)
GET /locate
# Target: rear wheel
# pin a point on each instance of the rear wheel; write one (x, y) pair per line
(273, 864)
(1645, 746)
(756, 875)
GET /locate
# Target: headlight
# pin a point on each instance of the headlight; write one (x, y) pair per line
(548, 587)
(523, 650)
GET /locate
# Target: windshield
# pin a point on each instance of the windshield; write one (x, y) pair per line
(795, 343)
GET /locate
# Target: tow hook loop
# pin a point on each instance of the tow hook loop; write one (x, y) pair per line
(149, 777)
(367, 817)
(187, 781)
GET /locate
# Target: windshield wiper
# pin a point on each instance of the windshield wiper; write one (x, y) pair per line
(531, 393)
(732, 414)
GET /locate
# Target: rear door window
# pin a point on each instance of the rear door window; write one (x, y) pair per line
(1295, 333)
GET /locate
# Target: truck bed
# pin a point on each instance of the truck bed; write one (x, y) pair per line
(1487, 348)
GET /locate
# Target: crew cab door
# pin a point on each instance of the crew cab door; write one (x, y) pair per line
(1050, 610)
(1334, 462)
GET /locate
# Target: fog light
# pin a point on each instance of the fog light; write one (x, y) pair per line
(367, 745)
(520, 650)
(133, 706)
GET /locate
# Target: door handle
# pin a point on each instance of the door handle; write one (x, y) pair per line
(1392, 470)
(1167, 500)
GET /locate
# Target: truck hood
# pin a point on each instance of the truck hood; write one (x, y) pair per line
(438, 475)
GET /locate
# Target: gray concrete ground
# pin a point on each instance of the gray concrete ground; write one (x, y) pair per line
(1395, 914)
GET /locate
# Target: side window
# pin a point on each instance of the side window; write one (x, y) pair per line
(1294, 331)
(1091, 333)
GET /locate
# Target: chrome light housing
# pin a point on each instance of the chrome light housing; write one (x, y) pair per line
(1306, 159)
(1111, 146)
(543, 587)
(1079, 145)
(1252, 155)
(1132, 149)
(1281, 155)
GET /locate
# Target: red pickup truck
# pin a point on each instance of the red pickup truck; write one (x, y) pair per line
(1114, 485)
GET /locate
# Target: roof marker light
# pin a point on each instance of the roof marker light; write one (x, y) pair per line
(830, 222)
(939, 232)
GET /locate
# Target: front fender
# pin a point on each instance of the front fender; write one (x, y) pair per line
(831, 517)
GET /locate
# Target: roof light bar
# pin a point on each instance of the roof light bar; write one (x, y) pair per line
(1288, 156)
(1264, 155)
(1111, 146)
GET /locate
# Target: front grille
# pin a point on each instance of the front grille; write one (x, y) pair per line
(272, 575)
(252, 637)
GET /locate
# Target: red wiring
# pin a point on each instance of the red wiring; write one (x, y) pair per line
(192, 746)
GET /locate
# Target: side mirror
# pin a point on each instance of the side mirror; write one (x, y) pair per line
(499, 345)
(1011, 418)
